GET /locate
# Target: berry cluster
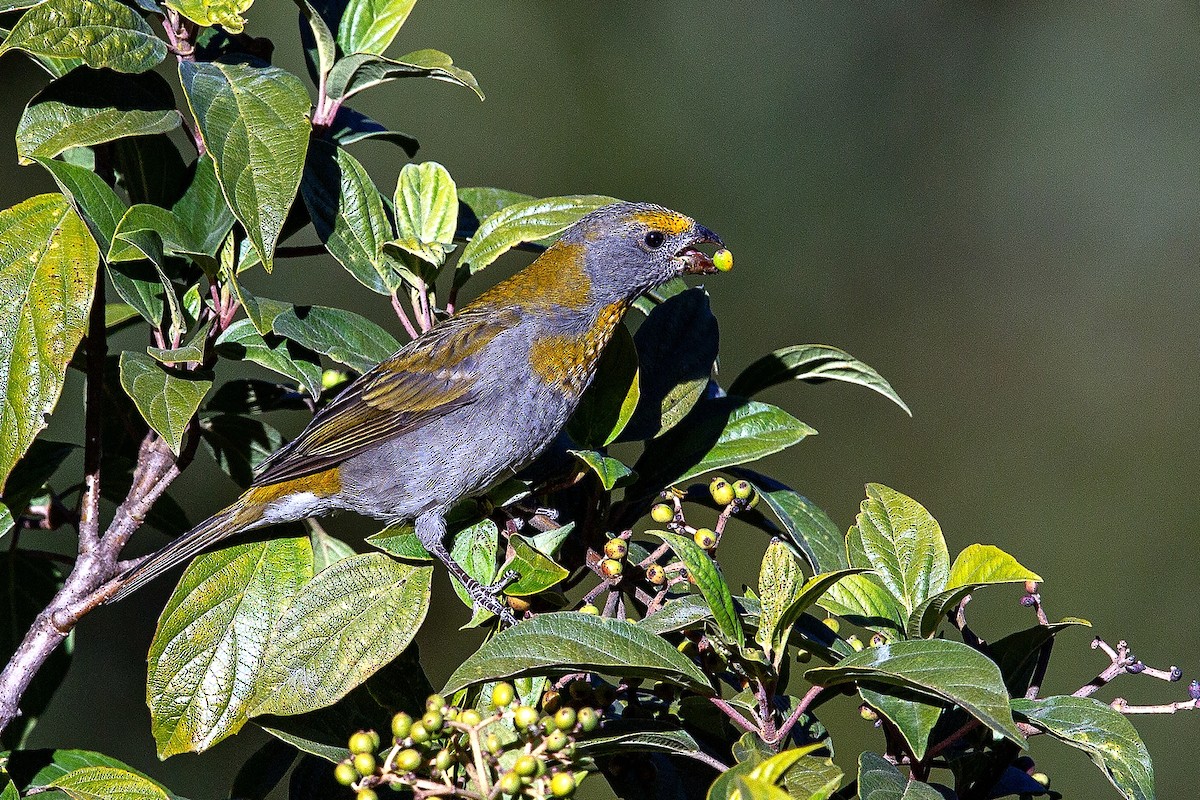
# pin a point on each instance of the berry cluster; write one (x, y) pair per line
(515, 751)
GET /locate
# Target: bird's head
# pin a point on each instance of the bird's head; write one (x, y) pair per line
(633, 247)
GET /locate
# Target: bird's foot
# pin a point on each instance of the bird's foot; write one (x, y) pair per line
(491, 597)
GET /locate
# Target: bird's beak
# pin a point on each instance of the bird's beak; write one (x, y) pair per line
(694, 261)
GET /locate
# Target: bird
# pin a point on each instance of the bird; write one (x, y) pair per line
(467, 403)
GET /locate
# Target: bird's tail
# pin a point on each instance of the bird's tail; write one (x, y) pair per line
(239, 516)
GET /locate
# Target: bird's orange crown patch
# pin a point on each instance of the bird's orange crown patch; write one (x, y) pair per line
(668, 222)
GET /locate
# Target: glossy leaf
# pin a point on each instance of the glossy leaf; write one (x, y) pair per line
(896, 536)
(369, 26)
(813, 363)
(348, 215)
(88, 107)
(620, 736)
(805, 598)
(476, 549)
(878, 779)
(612, 472)
(101, 33)
(241, 341)
(711, 583)
(239, 444)
(150, 232)
(483, 201)
(105, 783)
(167, 400)
(426, 208)
(206, 13)
(1016, 654)
(779, 580)
(254, 122)
(721, 432)
(1102, 732)
(211, 638)
(48, 264)
(360, 71)
(347, 623)
(562, 642)
(344, 336)
(93, 199)
(976, 566)
(948, 669)
(321, 49)
(202, 211)
(523, 222)
(808, 527)
(609, 402)
(913, 714)
(864, 601)
(350, 126)
(538, 572)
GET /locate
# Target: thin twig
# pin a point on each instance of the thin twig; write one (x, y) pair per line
(403, 315)
(806, 702)
(734, 715)
(1122, 705)
(97, 351)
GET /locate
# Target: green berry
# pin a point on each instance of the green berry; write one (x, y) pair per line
(364, 763)
(1041, 778)
(435, 702)
(589, 609)
(565, 719)
(611, 568)
(362, 742)
(722, 493)
(656, 574)
(556, 741)
(493, 744)
(502, 694)
(868, 713)
(408, 760)
(562, 784)
(855, 643)
(803, 656)
(705, 537)
(510, 783)
(401, 723)
(878, 640)
(525, 716)
(742, 490)
(367, 794)
(589, 719)
(443, 760)
(345, 773)
(616, 548)
(433, 721)
(525, 765)
(723, 260)
(470, 717)
(662, 513)
(419, 733)
(832, 624)
(546, 725)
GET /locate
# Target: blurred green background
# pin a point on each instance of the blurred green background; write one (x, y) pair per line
(994, 204)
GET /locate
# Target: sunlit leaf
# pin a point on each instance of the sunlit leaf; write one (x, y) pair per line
(711, 583)
(100, 33)
(813, 363)
(976, 566)
(226, 13)
(344, 336)
(359, 71)
(369, 26)
(166, 399)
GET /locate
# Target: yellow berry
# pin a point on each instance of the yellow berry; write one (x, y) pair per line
(332, 377)
(510, 783)
(502, 694)
(662, 513)
(401, 724)
(722, 493)
(435, 702)
(589, 609)
(470, 717)
(868, 713)
(1041, 778)
(408, 760)
(433, 721)
(743, 490)
(525, 765)
(419, 733)
(443, 760)
(705, 537)
(723, 260)
(589, 719)
(345, 773)
(362, 742)
(367, 794)
(656, 574)
(556, 741)
(832, 624)
(364, 763)
(562, 784)
(565, 719)
(524, 716)
(616, 548)
(855, 643)
(611, 568)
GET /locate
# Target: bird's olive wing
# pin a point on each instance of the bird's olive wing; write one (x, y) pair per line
(430, 377)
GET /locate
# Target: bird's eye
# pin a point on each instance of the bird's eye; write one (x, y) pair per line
(654, 240)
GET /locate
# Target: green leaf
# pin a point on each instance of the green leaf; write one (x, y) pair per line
(976, 566)
(344, 336)
(609, 402)
(523, 222)
(913, 714)
(562, 642)
(806, 597)
(814, 363)
(202, 211)
(426, 206)
(254, 122)
(779, 579)
(612, 473)
(101, 33)
(348, 215)
(226, 13)
(38, 768)
(721, 432)
(93, 199)
(351, 620)
(476, 550)
(323, 49)
(89, 107)
(677, 351)
(29, 477)
(48, 267)
(538, 572)
(166, 400)
(28, 584)
(369, 26)
(903, 543)
(211, 636)
(106, 783)
(150, 232)
(1100, 731)
(360, 71)
(1016, 654)
(630, 736)
(878, 779)
(864, 601)
(242, 342)
(808, 528)
(483, 201)
(327, 549)
(747, 788)
(350, 126)
(711, 583)
(149, 169)
(948, 669)
(239, 444)
(191, 351)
